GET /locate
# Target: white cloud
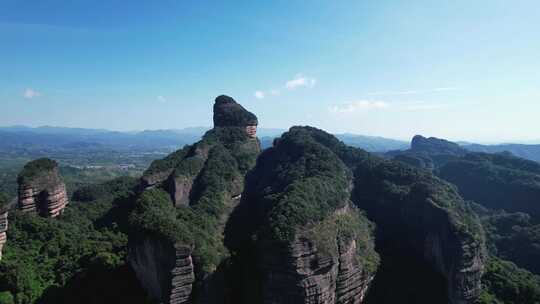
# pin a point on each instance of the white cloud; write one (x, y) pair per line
(300, 81)
(359, 106)
(297, 82)
(31, 93)
(161, 98)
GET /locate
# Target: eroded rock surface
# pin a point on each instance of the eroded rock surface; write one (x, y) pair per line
(164, 269)
(41, 189)
(3, 229)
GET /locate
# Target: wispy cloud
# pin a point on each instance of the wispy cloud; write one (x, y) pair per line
(30, 93)
(413, 92)
(162, 99)
(300, 81)
(359, 106)
(380, 105)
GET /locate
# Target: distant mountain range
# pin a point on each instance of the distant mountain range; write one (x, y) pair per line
(47, 137)
(61, 138)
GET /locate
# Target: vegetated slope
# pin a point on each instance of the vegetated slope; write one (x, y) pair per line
(421, 220)
(497, 181)
(79, 257)
(530, 152)
(176, 246)
(512, 236)
(296, 237)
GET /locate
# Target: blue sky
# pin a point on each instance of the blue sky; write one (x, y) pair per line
(463, 70)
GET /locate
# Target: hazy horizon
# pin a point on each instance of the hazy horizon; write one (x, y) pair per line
(265, 132)
(378, 69)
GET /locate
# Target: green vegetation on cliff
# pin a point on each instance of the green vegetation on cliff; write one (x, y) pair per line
(497, 181)
(4, 200)
(35, 168)
(505, 283)
(301, 187)
(216, 165)
(512, 236)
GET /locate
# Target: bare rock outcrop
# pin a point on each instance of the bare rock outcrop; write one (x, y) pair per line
(164, 269)
(41, 189)
(301, 272)
(3, 229)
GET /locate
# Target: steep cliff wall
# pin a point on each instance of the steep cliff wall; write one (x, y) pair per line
(3, 229)
(418, 213)
(41, 189)
(304, 271)
(294, 237)
(164, 269)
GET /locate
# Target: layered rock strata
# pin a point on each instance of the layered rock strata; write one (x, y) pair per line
(301, 273)
(41, 189)
(3, 229)
(165, 270)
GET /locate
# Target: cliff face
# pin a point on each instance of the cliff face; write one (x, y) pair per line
(41, 189)
(301, 272)
(203, 183)
(418, 213)
(295, 236)
(164, 269)
(3, 229)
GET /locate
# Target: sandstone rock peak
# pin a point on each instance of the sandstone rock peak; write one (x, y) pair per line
(3, 221)
(41, 189)
(435, 145)
(229, 113)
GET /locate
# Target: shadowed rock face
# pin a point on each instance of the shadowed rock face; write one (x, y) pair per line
(166, 271)
(420, 214)
(41, 189)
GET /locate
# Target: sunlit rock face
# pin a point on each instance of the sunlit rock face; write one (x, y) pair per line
(251, 131)
(3, 229)
(41, 189)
